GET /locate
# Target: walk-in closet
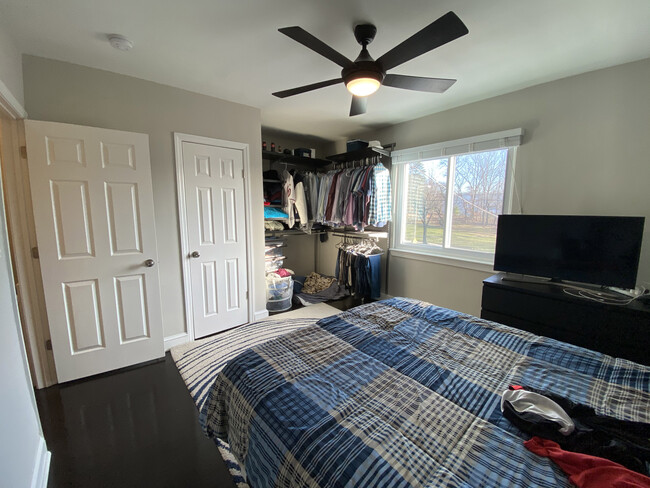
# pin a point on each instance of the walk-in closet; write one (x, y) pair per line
(327, 220)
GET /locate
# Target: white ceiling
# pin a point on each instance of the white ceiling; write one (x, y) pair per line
(231, 49)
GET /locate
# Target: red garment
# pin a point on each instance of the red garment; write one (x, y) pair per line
(587, 471)
(283, 273)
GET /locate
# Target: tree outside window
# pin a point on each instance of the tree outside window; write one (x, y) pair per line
(472, 185)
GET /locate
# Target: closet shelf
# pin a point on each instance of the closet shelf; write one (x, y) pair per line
(295, 160)
(271, 180)
(291, 232)
(366, 152)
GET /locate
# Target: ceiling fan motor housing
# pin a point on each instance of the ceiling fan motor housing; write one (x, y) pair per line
(364, 33)
(364, 66)
(362, 69)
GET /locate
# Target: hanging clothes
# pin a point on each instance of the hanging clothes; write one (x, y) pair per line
(355, 197)
(380, 205)
(289, 197)
(301, 207)
(358, 268)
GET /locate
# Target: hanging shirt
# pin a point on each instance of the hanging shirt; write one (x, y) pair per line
(380, 205)
(301, 207)
(323, 191)
(311, 191)
(330, 197)
(289, 197)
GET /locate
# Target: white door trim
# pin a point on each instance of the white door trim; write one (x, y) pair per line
(10, 104)
(179, 138)
(22, 235)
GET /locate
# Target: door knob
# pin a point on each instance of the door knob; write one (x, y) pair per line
(195, 254)
(149, 263)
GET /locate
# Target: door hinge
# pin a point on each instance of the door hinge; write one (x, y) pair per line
(48, 344)
(23, 152)
(242, 174)
(246, 294)
(35, 252)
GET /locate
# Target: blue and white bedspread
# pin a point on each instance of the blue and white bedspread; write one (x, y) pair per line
(403, 393)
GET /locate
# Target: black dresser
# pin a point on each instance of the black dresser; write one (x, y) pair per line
(544, 309)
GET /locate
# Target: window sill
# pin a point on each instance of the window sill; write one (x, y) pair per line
(444, 260)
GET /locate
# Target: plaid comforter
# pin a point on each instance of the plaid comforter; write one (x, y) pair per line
(403, 393)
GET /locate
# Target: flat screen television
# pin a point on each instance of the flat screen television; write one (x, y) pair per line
(589, 249)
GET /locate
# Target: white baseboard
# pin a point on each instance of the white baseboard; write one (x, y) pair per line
(41, 466)
(176, 340)
(260, 314)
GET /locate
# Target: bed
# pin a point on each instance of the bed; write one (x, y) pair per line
(393, 393)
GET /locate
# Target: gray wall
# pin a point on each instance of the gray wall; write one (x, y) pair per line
(11, 71)
(64, 92)
(292, 141)
(586, 151)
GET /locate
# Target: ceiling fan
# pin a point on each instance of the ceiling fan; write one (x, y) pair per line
(364, 75)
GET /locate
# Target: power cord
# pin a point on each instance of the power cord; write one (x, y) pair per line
(600, 296)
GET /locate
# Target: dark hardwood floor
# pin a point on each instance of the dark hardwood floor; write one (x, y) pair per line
(136, 427)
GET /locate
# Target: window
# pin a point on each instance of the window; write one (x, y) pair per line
(449, 195)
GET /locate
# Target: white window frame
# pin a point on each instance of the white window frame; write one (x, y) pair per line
(450, 150)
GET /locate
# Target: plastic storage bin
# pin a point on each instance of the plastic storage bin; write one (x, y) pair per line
(278, 305)
(279, 292)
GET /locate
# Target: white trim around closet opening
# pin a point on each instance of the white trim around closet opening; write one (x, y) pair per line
(179, 138)
(10, 104)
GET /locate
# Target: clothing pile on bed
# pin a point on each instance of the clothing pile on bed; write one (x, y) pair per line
(596, 451)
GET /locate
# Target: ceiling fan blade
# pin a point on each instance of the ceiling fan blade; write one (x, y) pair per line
(358, 106)
(418, 83)
(302, 89)
(441, 31)
(306, 39)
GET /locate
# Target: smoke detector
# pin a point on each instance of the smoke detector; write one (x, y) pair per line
(120, 42)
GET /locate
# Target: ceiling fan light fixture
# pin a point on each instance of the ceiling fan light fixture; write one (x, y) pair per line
(362, 87)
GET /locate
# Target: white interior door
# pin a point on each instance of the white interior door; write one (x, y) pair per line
(93, 209)
(216, 236)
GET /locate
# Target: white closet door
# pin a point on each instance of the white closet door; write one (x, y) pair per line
(93, 208)
(216, 235)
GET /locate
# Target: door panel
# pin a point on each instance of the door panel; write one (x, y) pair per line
(131, 298)
(63, 151)
(85, 330)
(214, 193)
(229, 216)
(206, 220)
(232, 284)
(95, 233)
(72, 220)
(123, 217)
(209, 270)
(118, 155)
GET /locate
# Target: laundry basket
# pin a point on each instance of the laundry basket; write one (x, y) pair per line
(279, 292)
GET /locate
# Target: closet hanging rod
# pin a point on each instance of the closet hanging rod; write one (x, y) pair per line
(296, 232)
(357, 236)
